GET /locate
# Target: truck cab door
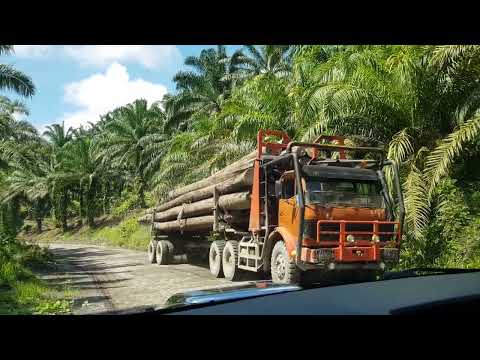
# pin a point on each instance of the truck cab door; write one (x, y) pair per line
(287, 204)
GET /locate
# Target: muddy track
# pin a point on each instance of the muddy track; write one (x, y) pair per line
(113, 279)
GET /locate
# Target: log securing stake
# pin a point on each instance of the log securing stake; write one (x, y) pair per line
(179, 219)
(215, 208)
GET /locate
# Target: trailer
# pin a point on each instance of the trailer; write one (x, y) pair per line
(286, 209)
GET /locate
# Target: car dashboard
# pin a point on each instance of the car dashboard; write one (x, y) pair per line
(414, 295)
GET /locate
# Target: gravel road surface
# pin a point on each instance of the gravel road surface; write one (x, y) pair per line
(109, 279)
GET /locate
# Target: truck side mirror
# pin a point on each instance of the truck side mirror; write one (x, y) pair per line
(278, 189)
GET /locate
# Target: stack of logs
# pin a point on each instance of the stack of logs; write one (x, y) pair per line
(192, 207)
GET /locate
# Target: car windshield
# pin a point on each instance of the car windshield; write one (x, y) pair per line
(344, 193)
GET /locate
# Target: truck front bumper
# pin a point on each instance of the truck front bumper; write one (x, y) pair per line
(353, 257)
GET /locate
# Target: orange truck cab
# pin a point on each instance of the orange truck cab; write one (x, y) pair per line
(331, 214)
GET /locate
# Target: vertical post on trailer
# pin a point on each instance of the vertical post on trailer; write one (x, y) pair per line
(215, 209)
(152, 228)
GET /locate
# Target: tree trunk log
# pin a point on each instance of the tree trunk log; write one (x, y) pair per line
(235, 201)
(202, 223)
(145, 219)
(198, 224)
(238, 183)
(222, 175)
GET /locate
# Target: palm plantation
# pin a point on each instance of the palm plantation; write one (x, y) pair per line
(419, 102)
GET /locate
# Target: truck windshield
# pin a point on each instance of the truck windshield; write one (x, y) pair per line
(344, 193)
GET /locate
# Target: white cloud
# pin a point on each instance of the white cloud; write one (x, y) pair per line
(33, 51)
(151, 56)
(157, 57)
(103, 92)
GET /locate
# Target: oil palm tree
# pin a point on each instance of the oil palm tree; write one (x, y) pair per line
(33, 177)
(203, 89)
(265, 59)
(128, 138)
(80, 162)
(31, 183)
(18, 142)
(11, 128)
(260, 103)
(58, 138)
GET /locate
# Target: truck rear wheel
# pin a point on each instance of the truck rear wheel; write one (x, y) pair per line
(152, 252)
(164, 253)
(283, 268)
(215, 258)
(230, 261)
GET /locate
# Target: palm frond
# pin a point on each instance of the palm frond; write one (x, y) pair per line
(417, 204)
(12, 79)
(439, 162)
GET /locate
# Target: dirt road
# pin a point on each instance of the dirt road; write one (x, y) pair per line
(116, 279)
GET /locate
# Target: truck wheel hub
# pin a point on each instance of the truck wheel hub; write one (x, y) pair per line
(280, 266)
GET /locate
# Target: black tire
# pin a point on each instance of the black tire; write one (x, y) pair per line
(164, 252)
(230, 262)
(152, 252)
(171, 249)
(282, 267)
(215, 258)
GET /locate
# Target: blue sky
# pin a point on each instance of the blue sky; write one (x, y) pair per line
(77, 83)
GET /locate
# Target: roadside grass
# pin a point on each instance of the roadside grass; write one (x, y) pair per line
(127, 234)
(113, 231)
(21, 292)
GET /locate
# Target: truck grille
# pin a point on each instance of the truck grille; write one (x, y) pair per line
(310, 231)
(328, 227)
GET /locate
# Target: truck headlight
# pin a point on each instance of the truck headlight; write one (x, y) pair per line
(375, 238)
(350, 238)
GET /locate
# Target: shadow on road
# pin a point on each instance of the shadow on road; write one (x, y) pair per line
(86, 269)
(81, 252)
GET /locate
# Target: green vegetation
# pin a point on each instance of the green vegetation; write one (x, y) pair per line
(419, 102)
(127, 233)
(21, 292)
(121, 229)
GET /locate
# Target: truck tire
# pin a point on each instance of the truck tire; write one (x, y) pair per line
(215, 258)
(164, 253)
(152, 251)
(282, 267)
(230, 261)
(171, 249)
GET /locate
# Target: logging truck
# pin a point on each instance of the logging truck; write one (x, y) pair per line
(286, 209)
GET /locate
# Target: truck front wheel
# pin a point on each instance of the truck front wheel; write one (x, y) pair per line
(283, 268)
